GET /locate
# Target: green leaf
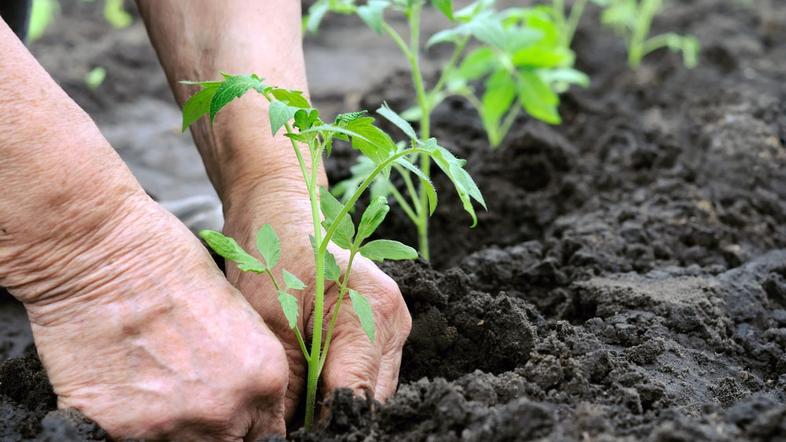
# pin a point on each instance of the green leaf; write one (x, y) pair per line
(373, 14)
(543, 57)
(324, 128)
(453, 168)
(316, 13)
(445, 7)
(115, 15)
(394, 118)
(289, 306)
(331, 208)
(95, 77)
(372, 217)
(229, 249)
(291, 97)
(370, 140)
(280, 114)
(198, 104)
(537, 98)
(269, 245)
(565, 75)
(293, 282)
(382, 249)
(332, 271)
(233, 86)
(496, 101)
(365, 314)
(477, 64)
(343, 119)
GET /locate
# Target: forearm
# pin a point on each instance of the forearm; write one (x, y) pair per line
(198, 39)
(60, 178)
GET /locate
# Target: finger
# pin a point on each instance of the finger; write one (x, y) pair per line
(297, 375)
(387, 380)
(353, 361)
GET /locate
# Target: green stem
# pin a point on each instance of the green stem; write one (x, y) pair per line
(576, 12)
(413, 194)
(299, 336)
(447, 70)
(402, 202)
(640, 31)
(341, 293)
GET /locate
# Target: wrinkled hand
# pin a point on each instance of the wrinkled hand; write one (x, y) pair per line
(353, 361)
(140, 331)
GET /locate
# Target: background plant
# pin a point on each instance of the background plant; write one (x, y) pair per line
(291, 112)
(517, 54)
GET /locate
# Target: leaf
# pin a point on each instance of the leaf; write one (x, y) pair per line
(394, 118)
(293, 282)
(198, 104)
(370, 140)
(234, 86)
(372, 217)
(331, 207)
(453, 168)
(365, 313)
(497, 99)
(537, 98)
(116, 15)
(382, 249)
(289, 306)
(565, 75)
(280, 114)
(229, 249)
(477, 64)
(269, 245)
(543, 57)
(445, 7)
(291, 97)
(332, 271)
(343, 119)
(315, 15)
(372, 14)
(331, 128)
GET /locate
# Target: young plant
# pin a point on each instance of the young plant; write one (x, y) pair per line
(517, 54)
(291, 112)
(632, 19)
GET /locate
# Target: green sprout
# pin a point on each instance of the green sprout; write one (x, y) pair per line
(516, 54)
(290, 110)
(632, 19)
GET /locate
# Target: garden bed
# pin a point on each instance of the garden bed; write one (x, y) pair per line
(628, 281)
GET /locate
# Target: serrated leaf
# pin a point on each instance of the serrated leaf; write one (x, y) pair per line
(453, 168)
(382, 249)
(371, 141)
(331, 208)
(269, 245)
(229, 249)
(332, 271)
(445, 7)
(279, 114)
(364, 312)
(234, 86)
(316, 13)
(290, 307)
(293, 282)
(396, 119)
(198, 104)
(332, 128)
(342, 119)
(372, 217)
(537, 98)
(291, 97)
(373, 13)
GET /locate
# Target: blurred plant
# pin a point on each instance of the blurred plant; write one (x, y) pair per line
(43, 13)
(95, 77)
(289, 110)
(517, 54)
(632, 20)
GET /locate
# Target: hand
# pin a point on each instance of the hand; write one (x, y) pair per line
(140, 331)
(352, 361)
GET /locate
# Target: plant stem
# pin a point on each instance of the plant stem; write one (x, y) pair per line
(576, 12)
(342, 291)
(642, 28)
(298, 335)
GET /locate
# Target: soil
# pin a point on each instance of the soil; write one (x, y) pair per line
(628, 282)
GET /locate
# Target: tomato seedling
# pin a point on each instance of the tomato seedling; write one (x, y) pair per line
(291, 112)
(517, 54)
(632, 20)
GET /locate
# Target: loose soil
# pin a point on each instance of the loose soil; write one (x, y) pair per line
(628, 282)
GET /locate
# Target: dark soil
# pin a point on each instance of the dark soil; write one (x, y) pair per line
(628, 281)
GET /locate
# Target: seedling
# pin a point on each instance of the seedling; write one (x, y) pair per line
(632, 20)
(517, 54)
(291, 112)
